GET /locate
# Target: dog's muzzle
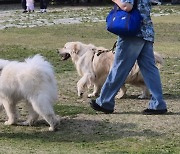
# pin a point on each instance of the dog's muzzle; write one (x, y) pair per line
(65, 56)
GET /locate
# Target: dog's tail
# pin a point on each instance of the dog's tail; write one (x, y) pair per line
(39, 62)
(158, 59)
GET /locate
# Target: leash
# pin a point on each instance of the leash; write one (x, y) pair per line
(103, 51)
(110, 50)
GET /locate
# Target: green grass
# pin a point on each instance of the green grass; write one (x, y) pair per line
(83, 130)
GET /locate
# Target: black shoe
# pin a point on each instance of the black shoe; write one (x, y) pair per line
(151, 111)
(96, 107)
(25, 11)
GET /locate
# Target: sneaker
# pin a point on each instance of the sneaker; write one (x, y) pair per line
(43, 11)
(96, 107)
(151, 111)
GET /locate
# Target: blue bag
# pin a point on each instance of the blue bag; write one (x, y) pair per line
(120, 22)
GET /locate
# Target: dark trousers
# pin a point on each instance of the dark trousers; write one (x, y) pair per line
(44, 4)
(23, 3)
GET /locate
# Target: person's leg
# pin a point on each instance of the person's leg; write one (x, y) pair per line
(46, 2)
(23, 3)
(150, 72)
(127, 51)
(41, 4)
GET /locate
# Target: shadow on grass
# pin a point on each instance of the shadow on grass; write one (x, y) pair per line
(140, 113)
(132, 97)
(171, 96)
(76, 130)
(166, 96)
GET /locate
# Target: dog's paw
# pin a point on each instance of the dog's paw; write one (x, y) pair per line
(80, 94)
(94, 94)
(120, 96)
(54, 126)
(7, 123)
(91, 95)
(143, 97)
(53, 129)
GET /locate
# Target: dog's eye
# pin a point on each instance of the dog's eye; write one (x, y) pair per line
(64, 47)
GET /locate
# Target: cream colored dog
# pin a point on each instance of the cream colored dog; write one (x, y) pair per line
(94, 69)
(33, 81)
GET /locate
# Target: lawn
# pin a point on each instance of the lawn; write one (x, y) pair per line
(82, 130)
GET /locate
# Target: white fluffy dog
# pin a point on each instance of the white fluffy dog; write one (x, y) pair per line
(33, 81)
(94, 69)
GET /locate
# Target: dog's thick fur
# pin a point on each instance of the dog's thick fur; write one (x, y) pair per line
(33, 81)
(94, 69)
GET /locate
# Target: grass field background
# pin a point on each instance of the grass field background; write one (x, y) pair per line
(82, 130)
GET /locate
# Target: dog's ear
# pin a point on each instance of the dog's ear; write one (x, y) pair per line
(76, 48)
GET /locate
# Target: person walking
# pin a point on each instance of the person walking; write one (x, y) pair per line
(23, 3)
(43, 5)
(128, 50)
(30, 5)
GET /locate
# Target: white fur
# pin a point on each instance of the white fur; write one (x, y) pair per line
(33, 81)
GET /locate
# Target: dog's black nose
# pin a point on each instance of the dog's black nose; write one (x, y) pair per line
(57, 51)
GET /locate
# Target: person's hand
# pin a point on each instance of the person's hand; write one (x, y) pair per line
(124, 6)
